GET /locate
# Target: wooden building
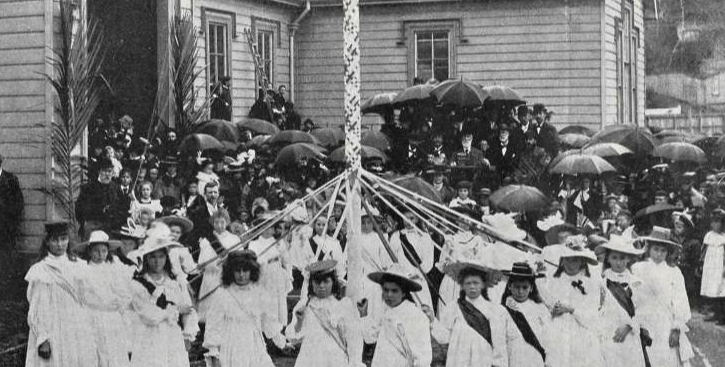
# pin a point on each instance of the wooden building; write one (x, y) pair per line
(584, 59)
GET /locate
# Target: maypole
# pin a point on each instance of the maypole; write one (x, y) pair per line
(351, 55)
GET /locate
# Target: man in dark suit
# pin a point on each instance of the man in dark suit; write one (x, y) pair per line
(11, 207)
(221, 100)
(504, 154)
(201, 211)
(547, 137)
(99, 205)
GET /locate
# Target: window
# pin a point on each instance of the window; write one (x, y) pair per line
(627, 44)
(432, 55)
(431, 49)
(219, 29)
(265, 47)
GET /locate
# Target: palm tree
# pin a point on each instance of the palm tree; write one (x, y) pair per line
(76, 64)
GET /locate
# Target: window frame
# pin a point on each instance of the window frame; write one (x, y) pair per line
(627, 44)
(412, 28)
(274, 28)
(228, 20)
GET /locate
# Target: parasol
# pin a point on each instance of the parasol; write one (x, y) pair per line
(415, 93)
(574, 140)
(503, 94)
(607, 150)
(258, 126)
(577, 129)
(519, 199)
(580, 163)
(680, 152)
(418, 186)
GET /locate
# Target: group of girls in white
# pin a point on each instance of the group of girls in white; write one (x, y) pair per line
(102, 311)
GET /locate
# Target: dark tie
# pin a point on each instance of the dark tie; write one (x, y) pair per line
(578, 284)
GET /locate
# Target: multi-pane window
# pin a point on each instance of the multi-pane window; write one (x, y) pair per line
(218, 52)
(265, 47)
(432, 54)
(627, 43)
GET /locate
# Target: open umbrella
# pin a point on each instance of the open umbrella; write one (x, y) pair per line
(708, 144)
(375, 139)
(638, 139)
(297, 152)
(223, 130)
(257, 126)
(378, 103)
(574, 140)
(293, 136)
(680, 152)
(338, 155)
(519, 198)
(577, 129)
(199, 142)
(257, 141)
(607, 150)
(580, 163)
(459, 93)
(329, 136)
(418, 186)
(657, 208)
(415, 93)
(503, 94)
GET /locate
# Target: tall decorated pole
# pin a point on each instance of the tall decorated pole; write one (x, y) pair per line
(351, 54)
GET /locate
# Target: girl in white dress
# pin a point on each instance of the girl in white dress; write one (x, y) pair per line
(477, 331)
(401, 331)
(327, 325)
(667, 310)
(182, 263)
(621, 313)
(713, 267)
(573, 295)
(107, 289)
(414, 248)
(530, 316)
(321, 246)
(239, 317)
(60, 332)
(210, 248)
(145, 202)
(161, 303)
(275, 278)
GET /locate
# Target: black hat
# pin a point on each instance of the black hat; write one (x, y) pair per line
(463, 185)
(504, 127)
(538, 108)
(398, 275)
(438, 169)
(105, 163)
(57, 228)
(522, 270)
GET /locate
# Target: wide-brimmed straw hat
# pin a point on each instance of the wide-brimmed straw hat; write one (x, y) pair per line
(97, 237)
(321, 267)
(620, 244)
(396, 274)
(522, 270)
(155, 243)
(185, 224)
(579, 252)
(660, 236)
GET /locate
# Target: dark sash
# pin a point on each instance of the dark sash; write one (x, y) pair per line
(526, 331)
(161, 302)
(624, 298)
(216, 245)
(475, 319)
(314, 247)
(409, 250)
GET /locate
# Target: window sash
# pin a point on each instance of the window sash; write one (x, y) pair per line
(218, 51)
(432, 54)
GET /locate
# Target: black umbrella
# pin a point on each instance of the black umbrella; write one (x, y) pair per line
(222, 130)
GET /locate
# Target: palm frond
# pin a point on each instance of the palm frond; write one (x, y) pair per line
(76, 68)
(182, 66)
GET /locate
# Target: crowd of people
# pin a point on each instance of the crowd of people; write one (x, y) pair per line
(152, 270)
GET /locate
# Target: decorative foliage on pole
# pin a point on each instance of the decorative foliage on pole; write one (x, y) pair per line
(351, 54)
